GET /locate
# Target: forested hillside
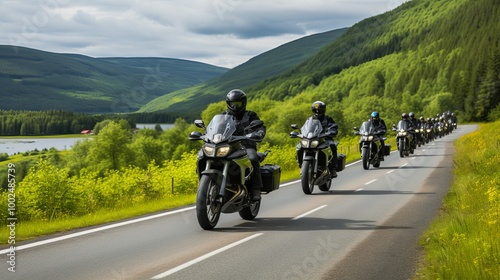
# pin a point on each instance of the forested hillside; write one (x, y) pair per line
(37, 80)
(425, 56)
(261, 67)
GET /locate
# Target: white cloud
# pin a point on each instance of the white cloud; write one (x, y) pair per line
(220, 32)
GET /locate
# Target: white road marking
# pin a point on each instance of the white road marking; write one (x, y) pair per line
(85, 232)
(358, 190)
(367, 183)
(310, 212)
(204, 257)
(404, 165)
(390, 171)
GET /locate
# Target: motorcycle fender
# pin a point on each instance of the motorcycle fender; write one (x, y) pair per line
(308, 158)
(365, 145)
(215, 174)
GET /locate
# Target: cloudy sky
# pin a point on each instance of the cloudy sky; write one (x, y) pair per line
(220, 32)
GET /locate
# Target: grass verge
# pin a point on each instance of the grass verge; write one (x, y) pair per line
(463, 242)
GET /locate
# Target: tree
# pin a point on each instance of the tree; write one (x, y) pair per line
(110, 149)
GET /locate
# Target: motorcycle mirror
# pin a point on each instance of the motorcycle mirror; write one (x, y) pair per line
(199, 123)
(355, 128)
(295, 126)
(294, 134)
(195, 135)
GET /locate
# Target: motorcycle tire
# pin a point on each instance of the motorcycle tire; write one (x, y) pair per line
(250, 212)
(208, 210)
(326, 186)
(365, 156)
(401, 148)
(307, 178)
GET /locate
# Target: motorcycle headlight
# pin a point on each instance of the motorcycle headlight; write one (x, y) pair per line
(209, 150)
(428, 130)
(223, 151)
(417, 131)
(309, 144)
(367, 138)
(402, 133)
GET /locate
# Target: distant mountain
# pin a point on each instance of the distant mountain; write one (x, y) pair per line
(257, 69)
(37, 80)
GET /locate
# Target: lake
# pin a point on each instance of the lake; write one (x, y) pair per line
(13, 146)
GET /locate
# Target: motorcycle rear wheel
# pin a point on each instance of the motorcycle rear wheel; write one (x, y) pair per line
(208, 209)
(250, 212)
(326, 186)
(307, 178)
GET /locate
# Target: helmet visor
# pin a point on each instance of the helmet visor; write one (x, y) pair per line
(235, 105)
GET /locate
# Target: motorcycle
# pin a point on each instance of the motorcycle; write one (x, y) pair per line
(224, 171)
(370, 145)
(419, 135)
(313, 156)
(404, 138)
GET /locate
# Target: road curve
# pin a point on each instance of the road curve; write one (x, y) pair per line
(365, 227)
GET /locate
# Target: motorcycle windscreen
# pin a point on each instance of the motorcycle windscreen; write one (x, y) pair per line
(220, 128)
(311, 128)
(366, 128)
(403, 125)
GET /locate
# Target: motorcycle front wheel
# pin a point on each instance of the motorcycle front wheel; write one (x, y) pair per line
(307, 178)
(208, 209)
(401, 148)
(250, 212)
(365, 156)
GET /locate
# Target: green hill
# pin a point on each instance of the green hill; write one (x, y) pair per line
(259, 68)
(37, 80)
(425, 56)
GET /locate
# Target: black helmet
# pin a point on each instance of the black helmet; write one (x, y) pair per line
(236, 101)
(404, 116)
(422, 118)
(318, 108)
(412, 115)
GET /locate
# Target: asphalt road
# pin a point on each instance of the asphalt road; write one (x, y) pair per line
(366, 227)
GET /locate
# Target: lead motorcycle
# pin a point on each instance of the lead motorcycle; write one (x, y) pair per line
(224, 170)
(313, 156)
(404, 138)
(370, 145)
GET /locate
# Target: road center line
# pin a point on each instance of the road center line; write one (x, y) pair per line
(206, 256)
(404, 165)
(310, 212)
(52, 240)
(389, 172)
(367, 183)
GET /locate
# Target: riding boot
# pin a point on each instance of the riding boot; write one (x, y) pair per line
(333, 170)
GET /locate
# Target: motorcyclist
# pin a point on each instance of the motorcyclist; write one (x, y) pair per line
(236, 101)
(416, 125)
(319, 109)
(381, 129)
(406, 118)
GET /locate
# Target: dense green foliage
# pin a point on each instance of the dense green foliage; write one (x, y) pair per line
(44, 123)
(15, 123)
(259, 68)
(38, 80)
(463, 242)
